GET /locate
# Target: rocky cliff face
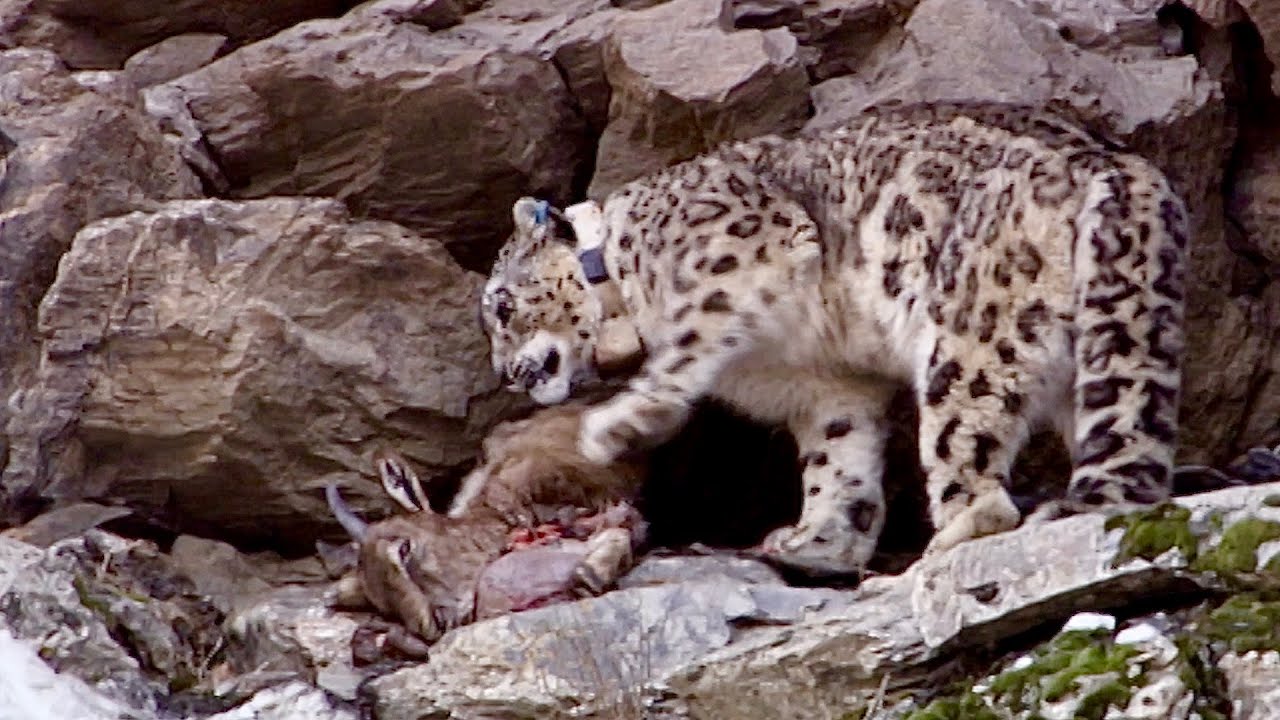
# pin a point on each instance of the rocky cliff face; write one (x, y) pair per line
(240, 245)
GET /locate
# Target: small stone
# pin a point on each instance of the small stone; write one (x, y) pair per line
(1089, 622)
(1137, 634)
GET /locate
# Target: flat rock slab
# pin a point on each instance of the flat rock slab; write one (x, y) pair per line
(726, 649)
(541, 663)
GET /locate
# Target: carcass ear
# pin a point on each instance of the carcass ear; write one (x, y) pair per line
(400, 481)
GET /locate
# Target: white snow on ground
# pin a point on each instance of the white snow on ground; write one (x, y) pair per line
(31, 690)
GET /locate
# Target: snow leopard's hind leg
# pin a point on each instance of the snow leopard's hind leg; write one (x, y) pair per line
(971, 401)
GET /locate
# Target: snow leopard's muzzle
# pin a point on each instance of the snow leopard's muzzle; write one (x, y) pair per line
(547, 368)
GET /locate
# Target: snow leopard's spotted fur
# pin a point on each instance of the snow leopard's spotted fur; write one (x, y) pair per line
(1013, 270)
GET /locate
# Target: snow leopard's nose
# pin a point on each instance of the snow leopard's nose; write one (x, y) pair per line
(527, 374)
(551, 365)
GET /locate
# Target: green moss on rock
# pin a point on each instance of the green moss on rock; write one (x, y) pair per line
(1244, 622)
(1149, 534)
(966, 706)
(1055, 673)
(1060, 664)
(1237, 551)
(90, 600)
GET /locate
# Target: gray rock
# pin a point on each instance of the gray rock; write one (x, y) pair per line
(219, 571)
(263, 350)
(293, 630)
(979, 592)
(665, 570)
(111, 612)
(1253, 684)
(290, 701)
(64, 522)
(596, 652)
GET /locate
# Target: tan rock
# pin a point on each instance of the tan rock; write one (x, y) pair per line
(433, 132)
(838, 36)
(571, 34)
(70, 152)
(174, 56)
(214, 364)
(683, 82)
(103, 33)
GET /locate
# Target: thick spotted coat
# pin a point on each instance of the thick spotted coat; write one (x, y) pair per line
(1013, 270)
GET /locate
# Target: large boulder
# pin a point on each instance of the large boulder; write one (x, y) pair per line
(431, 131)
(837, 37)
(214, 364)
(571, 34)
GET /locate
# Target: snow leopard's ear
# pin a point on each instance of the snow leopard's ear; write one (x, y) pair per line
(539, 218)
(529, 213)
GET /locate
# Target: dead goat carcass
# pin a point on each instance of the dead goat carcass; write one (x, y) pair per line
(534, 523)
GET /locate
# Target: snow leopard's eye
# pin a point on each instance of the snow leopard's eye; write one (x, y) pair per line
(503, 311)
(502, 305)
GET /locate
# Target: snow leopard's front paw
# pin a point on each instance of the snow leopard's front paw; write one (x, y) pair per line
(609, 432)
(625, 425)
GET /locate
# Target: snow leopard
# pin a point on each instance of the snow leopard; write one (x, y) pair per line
(1016, 272)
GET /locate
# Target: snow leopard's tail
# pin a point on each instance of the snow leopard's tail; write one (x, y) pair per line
(1130, 255)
